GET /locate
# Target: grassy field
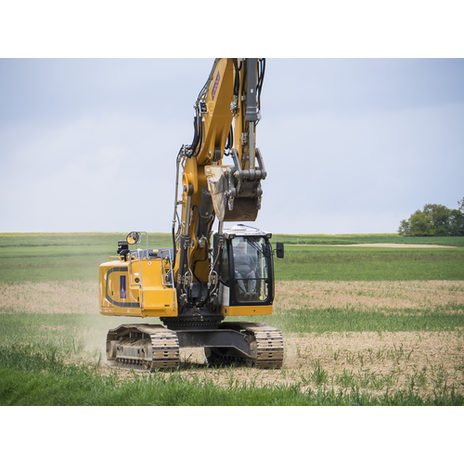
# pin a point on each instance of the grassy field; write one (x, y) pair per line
(370, 263)
(47, 257)
(353, 239)
(363, 325)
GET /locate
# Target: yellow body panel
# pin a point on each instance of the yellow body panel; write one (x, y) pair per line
(135, 291)
(246, 310)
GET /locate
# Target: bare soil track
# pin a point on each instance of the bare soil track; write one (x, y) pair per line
(80, 297)
(419, 295)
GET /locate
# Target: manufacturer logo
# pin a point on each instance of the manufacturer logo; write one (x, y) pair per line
(215, 86)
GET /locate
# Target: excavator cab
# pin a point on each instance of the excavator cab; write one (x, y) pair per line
(250, 261)
(246, 272)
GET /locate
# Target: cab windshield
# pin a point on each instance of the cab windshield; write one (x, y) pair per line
(251, 269)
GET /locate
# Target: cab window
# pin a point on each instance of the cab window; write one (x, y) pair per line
(251, 269)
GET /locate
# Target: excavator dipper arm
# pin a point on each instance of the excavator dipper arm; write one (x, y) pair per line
(226, 115)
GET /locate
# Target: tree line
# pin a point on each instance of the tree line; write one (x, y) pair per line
(435, 220)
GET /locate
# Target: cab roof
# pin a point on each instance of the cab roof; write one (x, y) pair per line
(241, 230)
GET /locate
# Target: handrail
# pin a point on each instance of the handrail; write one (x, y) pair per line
(135, 284)
(141, 279)
(172, 278)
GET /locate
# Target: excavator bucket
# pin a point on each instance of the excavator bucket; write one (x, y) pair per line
(245, 209)
(228, 204)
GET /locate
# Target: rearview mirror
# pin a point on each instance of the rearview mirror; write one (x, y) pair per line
(133, 238)
(280, 249)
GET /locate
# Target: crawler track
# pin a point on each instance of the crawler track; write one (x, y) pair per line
(265, 342)
(149, 347)
(269, 345)
(142, 346)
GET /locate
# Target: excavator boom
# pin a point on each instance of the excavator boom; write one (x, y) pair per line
(206, 276)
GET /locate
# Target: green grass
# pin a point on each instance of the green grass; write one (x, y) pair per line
(30, 377)
(53, 359)
(44, 257)
(71, 334)
(350, 320)
(353, 239)
(366, 263)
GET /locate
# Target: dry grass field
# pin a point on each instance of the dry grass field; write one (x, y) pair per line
(374, 362)
(81, 297)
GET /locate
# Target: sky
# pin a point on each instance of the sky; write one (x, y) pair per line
(350, 145)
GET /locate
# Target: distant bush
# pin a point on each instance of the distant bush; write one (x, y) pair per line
(435, 220)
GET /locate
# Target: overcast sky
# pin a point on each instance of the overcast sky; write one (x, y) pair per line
(350, 146)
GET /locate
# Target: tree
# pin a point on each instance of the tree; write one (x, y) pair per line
(456, 219)
(405, 228)
(461, 205)
(435, 220)
(438, 217)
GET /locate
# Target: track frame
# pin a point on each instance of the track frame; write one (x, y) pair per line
(151, 347)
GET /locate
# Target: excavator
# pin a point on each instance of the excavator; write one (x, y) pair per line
(206, 276)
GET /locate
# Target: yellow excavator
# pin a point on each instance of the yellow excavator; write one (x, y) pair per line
(205, 276)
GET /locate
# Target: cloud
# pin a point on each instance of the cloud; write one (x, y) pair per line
(377, 167)
(105, 172)
(349, 145)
